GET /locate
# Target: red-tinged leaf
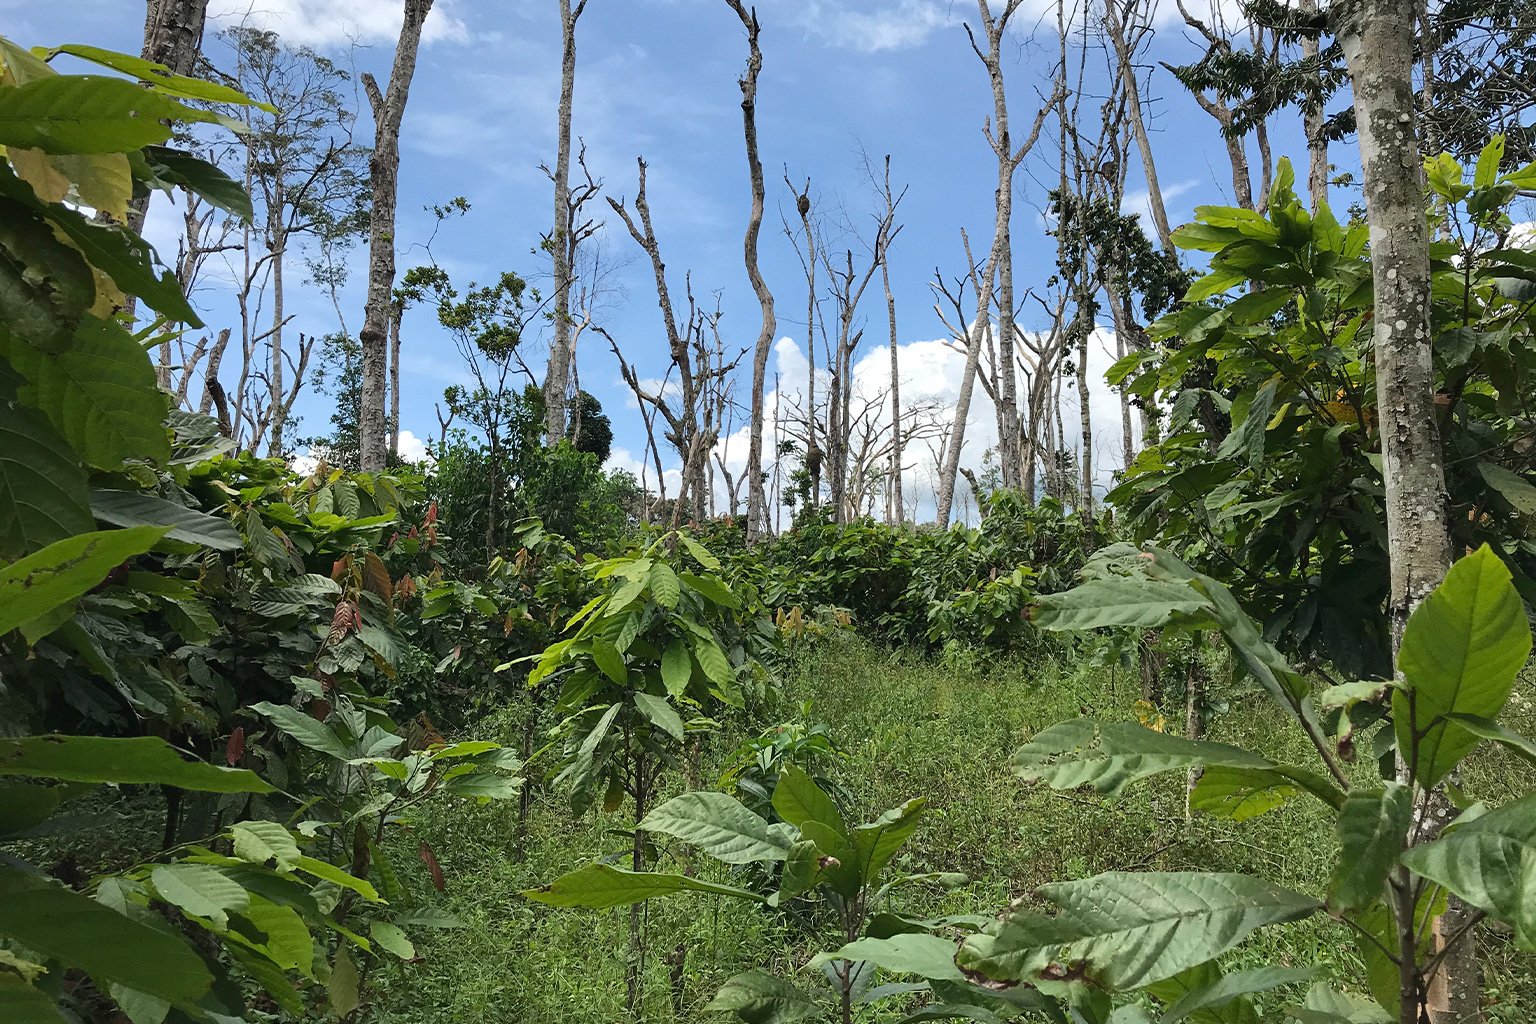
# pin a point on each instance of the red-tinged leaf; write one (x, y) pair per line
(430, 860)
(431, 514)
(234, 750)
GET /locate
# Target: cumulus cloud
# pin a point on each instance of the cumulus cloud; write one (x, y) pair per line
(322, 23)
(872, 27)
(412, 448)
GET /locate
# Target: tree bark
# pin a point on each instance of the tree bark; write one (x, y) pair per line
(1127, 71)
(173, 36)
(757, 502)
(396, 314)
(384, 167)
(1312, 117)
(894, 514)
(558, 373)
(1377, 39)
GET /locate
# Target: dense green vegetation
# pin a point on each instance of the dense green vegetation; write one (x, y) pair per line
(481, 742)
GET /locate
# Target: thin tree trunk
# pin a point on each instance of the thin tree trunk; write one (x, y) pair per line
(276, 369)
(956, 441)
(558, 374)
(894, 511)
(1085, 416)
(173, 36)
(396, 314)
(1127, 71)
(1377, 39)
(1312, 117)
(384, 170)
(757, 503)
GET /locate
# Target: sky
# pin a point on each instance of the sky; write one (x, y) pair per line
(658, 79)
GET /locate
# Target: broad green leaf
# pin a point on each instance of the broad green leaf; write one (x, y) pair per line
(110, 947)
(1462, 648)
(676, 668)
(343, 987)
(1512, 487)
(390, 937)
(484, 787)
(43, 493)
(1133, 603)
(20, 1003)
(161, 77)
(599, 886)
(700, 553)
(929, 956)
(65, 570)
(1194, 982)
(172, 167)
(714, 663)
(1231, 987)
(88, 114)
(200, 890)
(328, 872)
(1240, 793)
(1111, 755)
(266, 843)
(1487, 729)
(1486, 171)
(712, 588)
(305, 728)
(124, 257)
(45, 285)
(664, 585)
(23, 806)
(133, 508)
(609, 661)
(719, 825)
(1123, 930)
(798, 799)
(759, 998)
(802, 868)
(283, 935)
(100, 395)
(1491, 863)
(1326, 1005)
(661, 714)
(141, 760)
(1372, 828)
(876, 843)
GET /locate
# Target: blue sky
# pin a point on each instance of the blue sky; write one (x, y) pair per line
(658, 78)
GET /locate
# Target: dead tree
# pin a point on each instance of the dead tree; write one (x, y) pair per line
(1128, 23)
(757, 502)
(384, 173)
(562, 241)
(691, 414)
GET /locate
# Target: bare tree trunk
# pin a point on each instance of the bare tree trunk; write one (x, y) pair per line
(1127, 71)
(396, 314)
(974, 340)
(1377, 39)
(894, 511)
(173, 36)
(757, 503)
(276, 369)
(1127, 434)
(812, 449)
(1312, 117)
(384, 169)
(1085, 417)
(560, 349)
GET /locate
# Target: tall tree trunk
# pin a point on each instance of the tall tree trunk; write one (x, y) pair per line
(558, 373)
(1127, 71)
(951, 468)
(1312, 116)
(1010, 454)
(894, 513)
(1085, 417)
(1377, 39)
(384, 170)
(173, 36)
(276, 370)
(757, 502)
(396, 314)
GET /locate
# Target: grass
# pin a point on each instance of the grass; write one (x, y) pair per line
(910, 726)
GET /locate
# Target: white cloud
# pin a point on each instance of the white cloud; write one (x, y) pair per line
(931, 373)
(322, 23)
(881, 26)
(412, 448)
(1139, 202)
